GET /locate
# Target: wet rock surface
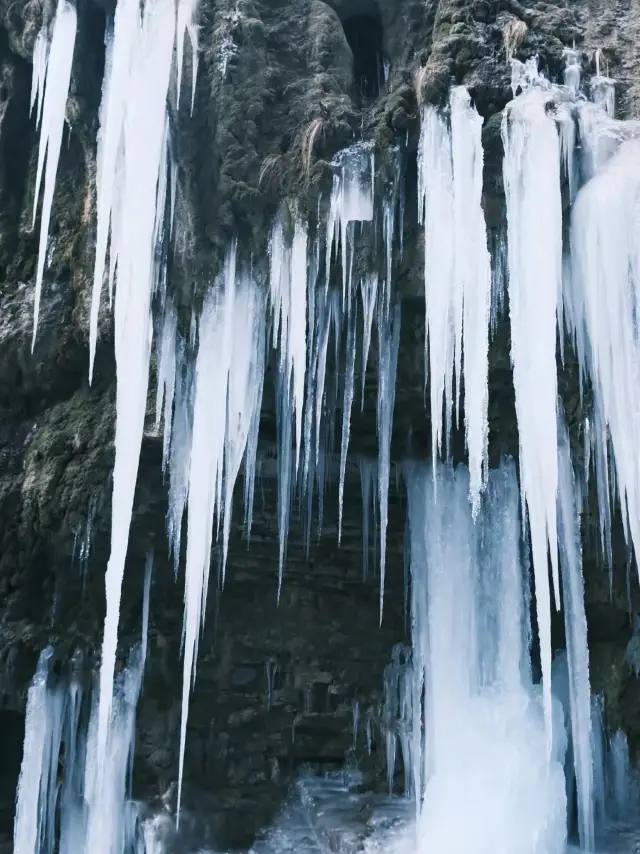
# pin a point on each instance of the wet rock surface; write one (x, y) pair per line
(282, 86)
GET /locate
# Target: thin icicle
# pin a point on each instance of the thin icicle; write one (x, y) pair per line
(166, 379)
(457, 279)
(229, 367)
(120, 45)
(352, 320)
(39, 74)
(388, 344)
(532, 184)
(351, 202)
(146, 85)
(369, 294)
(576, 633)
(53, 75)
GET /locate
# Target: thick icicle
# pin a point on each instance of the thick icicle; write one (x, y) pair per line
(473, 275)
(457, 278)
(532, 184)
(602, 306)
(229, 367)
(576, 635)
(352, 319)
(388, 344)
(52, 75)
(141, 157)
(435, 193)
(166, 379)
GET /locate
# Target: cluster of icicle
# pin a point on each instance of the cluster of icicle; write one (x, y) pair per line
(131, 185)
(592, 291)
(89, 809)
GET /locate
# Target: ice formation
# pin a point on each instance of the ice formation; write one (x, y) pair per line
(133, 112)
(483, 731)
(229, 367)
(85, 807)
(52, 60)
(532, 184)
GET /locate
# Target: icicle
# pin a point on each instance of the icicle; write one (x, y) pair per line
(180, 449)
(532, 184)
(388, 344)
(435, 211)
(601, 304)
(120, 45)
(473, 277)
(368, 292)
(576, 635)
(166, 379)
(229, 367)
(39, 74)
(477, 729)
(146, 85)
(351, 202)
(51, 78)
(186, 24)
(457, 278)
(244, 399)
(352, 320)
(148, 572)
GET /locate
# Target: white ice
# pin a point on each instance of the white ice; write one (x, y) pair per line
(52, 75)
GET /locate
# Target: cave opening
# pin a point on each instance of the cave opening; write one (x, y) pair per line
(365, 35)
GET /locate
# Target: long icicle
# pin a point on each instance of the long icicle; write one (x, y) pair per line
(532, 185)
(388, 344)
(54, 75)
(144, 125)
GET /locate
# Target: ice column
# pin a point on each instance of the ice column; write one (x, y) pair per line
(140, 141)
(602, 306)
(534, 223)
(457, 277)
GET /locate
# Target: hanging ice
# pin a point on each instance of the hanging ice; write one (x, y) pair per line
(52, 75)
(140, 121)
(388, 344)
(369, 294)
(229, 367)
(352, 319)
(288, 290)
(351, 202)
(532, 185)
(473, 281)
(457, 278)
(576, 636)
(601, 300)
(35, 798)
(480, 724)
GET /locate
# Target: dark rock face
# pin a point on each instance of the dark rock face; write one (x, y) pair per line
(282, 85)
